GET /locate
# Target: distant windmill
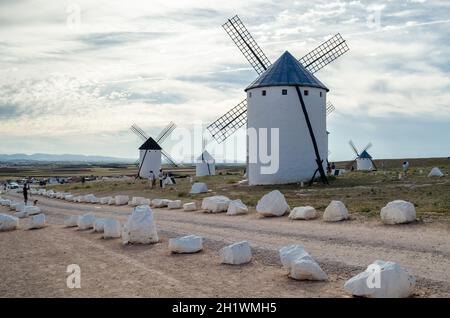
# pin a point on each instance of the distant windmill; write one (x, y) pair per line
(301, 157)
(363, 159)
(205, 165)
(151, 150)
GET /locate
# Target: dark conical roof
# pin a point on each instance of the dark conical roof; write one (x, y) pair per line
(287, 71)
(365, 154)
(150, 144)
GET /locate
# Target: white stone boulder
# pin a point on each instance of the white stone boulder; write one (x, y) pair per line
(90, 198)
(20, 207)
(303, 213)
(121, 199)
(69, 197)
(140, 227)
(272, 204)
(86, 221)
(190, 206)
(79, 199)
(21, 214)
(5, 202)
(31, 210)
(237, 207)
(105, 200)
(186, 244)
(300, 265)
(235, 254)
(397, 212)
(382, 280)
(160, 203)
(99, 224)
(12, 205)
(335, 211)
(111, 229)
(111, 201)
(71, 221)
(215, 204)
(8, 222)
(175, 204)
(435, 172)
(135, 201)
(36, 222)
(199, 187)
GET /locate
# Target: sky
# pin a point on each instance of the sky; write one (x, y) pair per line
(74, 75)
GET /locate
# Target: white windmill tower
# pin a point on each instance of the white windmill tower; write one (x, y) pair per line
(285, 96)
(206, 164)
(363, 159)
(150, 151)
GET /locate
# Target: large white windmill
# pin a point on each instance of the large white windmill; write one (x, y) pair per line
(287, 96)
(363, 159)
(150, 151)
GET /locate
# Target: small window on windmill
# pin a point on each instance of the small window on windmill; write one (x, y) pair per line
(320, 94)
(284, 92)
(249, 94)
(306, 92)
(264, 93)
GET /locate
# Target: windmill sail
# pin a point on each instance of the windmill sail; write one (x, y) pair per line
(227, 124)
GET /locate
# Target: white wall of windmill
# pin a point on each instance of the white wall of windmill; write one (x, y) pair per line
(152, 162)
(297, 159)
(205, 165)
(364, 164)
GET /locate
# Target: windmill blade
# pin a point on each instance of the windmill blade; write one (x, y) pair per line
(353, 147)
(367, 147)
(139, 132)
(230, 122)
(330, 108)
(246, 44)
(324, 54)
(165, 132)
(169, 158)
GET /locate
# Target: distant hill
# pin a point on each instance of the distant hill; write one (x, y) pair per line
(62, 158)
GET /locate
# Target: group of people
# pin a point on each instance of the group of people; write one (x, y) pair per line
(161, 177)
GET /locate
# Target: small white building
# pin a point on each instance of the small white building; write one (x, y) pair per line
(364, 162)
(149, 158)
(206, 165)
(273, 102)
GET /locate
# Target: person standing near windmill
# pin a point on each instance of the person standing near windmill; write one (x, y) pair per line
(161, 178)
(151, 179)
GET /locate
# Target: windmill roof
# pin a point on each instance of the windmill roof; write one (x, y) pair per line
(150, 144)
(365, 155)
(205, 157)
(287, 71)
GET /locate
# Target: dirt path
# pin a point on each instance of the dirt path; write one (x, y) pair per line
(33, 263)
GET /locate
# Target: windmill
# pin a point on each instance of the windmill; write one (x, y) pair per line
(235, 118)
(151, 151)
(363, 159)
(206, 164)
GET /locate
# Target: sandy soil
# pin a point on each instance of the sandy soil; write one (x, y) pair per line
(33, 263)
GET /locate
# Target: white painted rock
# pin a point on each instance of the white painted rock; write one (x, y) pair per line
(12, 205)
(272, 204)
(21, 214)
(235, 254)
(20, 207)
(382, 280)
(79, 199)
(199, 187)
(237, 207)
(175, 204)
(104, 200)
(111, 229)
(69, 197)
(41, 192)
(215, 204)
(335, 211)
(303, 213)
(90, 198)
(186, 244)
(36, 222)
(306, 269)
(397, 212)
(191, 206)
(160, 203)
(5, 202)
(8, 222)
(99, 224)
(31, 210)
(71, 221)
(290, 253)
(86, 221)
(435, 172)
(135, 201)
(111, 201)
(140, 227)
(121, 199)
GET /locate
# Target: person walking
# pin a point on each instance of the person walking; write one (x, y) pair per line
(161, 178)
(26, 187)
(151, 179)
